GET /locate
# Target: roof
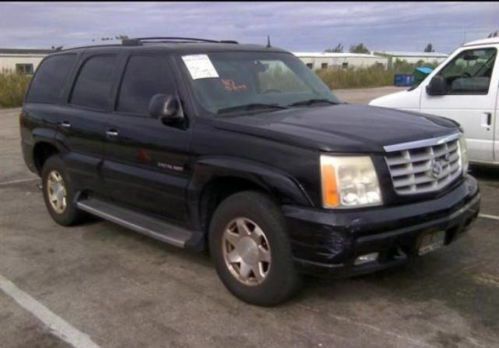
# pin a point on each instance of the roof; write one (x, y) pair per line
(334, 55)
(175, 44)
(181, 47)
(489, 41)
(413, 54)
(25, 51)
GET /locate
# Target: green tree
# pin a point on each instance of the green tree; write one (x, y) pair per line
(359, 48)
(338, 48)
(429, 48)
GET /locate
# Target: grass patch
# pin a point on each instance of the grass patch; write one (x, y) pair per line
(12, 89)
(356, 78)
(373, 76)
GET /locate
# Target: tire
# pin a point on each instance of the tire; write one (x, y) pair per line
(252, 210)
(70, 214)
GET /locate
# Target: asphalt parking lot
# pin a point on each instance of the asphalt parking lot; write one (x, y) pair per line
(109, 287)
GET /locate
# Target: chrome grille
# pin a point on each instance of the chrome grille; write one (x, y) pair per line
(424, 166)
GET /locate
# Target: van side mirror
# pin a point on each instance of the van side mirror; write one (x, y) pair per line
(437, 86)
(166, 108)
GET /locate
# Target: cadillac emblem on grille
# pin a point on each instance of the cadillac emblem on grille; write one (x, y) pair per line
(436, 169)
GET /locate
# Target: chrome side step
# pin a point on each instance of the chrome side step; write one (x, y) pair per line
(138, 222)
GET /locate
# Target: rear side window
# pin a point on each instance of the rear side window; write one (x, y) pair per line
(48, 83)
(144, 77)
(93, 85)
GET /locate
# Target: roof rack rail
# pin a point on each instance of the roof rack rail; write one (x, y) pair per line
(139, 40)
(75, 47)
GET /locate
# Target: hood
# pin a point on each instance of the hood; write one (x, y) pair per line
(407, 99)
(340, 128)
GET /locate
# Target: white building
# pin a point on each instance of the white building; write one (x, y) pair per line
(325, 60)
(413, 57)
(24, 61)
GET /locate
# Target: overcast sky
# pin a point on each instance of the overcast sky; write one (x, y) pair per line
(294, 26)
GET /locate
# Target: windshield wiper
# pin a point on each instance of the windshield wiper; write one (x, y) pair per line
(313, 101)
(251, 106)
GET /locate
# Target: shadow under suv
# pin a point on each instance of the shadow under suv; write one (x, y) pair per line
(242, 150)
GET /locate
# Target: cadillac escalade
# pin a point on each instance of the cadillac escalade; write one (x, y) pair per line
(241, 150)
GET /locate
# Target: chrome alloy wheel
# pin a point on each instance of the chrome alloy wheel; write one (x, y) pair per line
(56, 191)
(246, 251)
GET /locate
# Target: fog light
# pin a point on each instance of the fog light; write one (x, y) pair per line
(366, 258)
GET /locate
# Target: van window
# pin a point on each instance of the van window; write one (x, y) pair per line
(144, 77)
(470, 71)
(48, 83)
(94, 83)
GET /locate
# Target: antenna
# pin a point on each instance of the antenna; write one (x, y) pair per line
(268, 41)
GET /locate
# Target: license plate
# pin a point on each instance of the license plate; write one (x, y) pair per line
(431, 241)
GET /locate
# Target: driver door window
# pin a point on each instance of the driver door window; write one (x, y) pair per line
(470, 72)
(144, 77)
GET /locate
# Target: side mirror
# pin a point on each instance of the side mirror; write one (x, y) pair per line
(437, 86)
(166, 108)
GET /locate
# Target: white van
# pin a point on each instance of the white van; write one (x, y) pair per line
(464, 88)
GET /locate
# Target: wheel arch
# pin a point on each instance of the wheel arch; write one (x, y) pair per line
(215, 179)
(42, 150)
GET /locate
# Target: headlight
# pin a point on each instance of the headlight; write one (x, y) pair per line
(349, 182)
(463, 153)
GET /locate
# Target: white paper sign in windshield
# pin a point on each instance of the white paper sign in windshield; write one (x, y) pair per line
(200, 66)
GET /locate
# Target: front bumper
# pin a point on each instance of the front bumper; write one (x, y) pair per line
(328, 242)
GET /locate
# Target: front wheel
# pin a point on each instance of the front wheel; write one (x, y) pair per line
(251, 249)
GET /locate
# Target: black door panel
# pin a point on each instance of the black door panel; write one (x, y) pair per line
(84, 140)
(146, 165)
(82, 123)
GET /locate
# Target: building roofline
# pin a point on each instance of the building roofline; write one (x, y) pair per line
(412, 54)
(25, 51)
(334, 55)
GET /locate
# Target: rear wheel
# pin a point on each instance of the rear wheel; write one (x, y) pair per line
(251, 249)
(58, 194)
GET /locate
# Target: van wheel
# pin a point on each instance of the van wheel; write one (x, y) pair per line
(251, 249)
(57, 193)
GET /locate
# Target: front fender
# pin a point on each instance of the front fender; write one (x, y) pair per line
(271, 179)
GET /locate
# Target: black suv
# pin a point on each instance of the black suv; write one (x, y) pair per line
(242, 150)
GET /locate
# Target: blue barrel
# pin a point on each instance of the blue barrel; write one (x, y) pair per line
(403, 80)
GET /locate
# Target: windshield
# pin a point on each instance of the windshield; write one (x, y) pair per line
(235, 82)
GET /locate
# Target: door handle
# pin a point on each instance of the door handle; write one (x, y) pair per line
(486, 120)
(112, 133)
(65, 124)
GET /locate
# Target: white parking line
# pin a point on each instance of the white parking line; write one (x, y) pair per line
(487, 216)
(5, 183)
(58, 326)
